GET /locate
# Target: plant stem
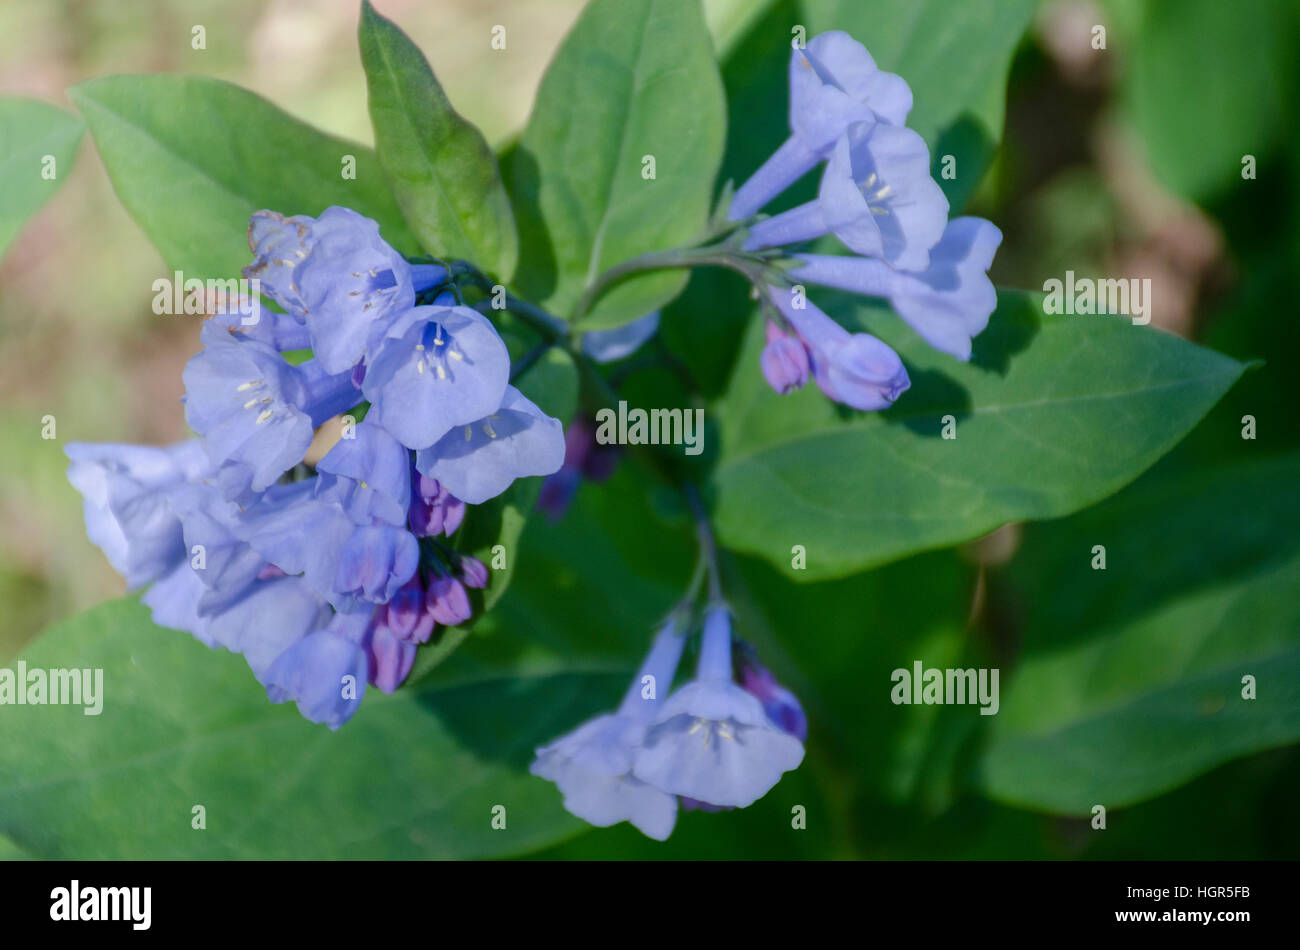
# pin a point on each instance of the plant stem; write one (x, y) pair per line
(714, 255)
(708, 545)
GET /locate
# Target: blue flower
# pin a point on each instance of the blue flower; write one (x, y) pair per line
(435, 368)
(336, 273)
(280, 331)
(712, 741)
(592, 765)
(367, 474)
(218, 557)
(279, 244)
(606, 346)
(174, 601)
(344, 562)
(375, 562)
(127, 492)
(876, 196)
(479, 461)
(254, 412)
(325, 672)
(853, 368)
(273, 615)
(834, 83)
(947, 304)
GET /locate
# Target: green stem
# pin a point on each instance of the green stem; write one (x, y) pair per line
(708, 544)
(715, 255)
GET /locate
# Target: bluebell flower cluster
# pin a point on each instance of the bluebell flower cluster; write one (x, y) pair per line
(712, 744)
(878, 199)
(325, 577)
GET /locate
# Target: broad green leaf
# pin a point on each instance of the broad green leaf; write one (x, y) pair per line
(37, 146)
(191, 158)
(954, 56)
(413, 775)
(440, 167)
(1244, 98)
(1051, 415)
(491, 531)
(635, 82)
(1140, 688)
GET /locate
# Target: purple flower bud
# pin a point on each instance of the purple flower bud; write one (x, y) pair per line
(433, 509)
(557, 492)
(853, 368)
(447, 601)
(473, 573)
(778, 702)
(784, 361)
(584, 458)
(390, 658)
(405, 611)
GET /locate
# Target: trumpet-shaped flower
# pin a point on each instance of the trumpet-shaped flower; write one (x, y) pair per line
(947, 304)
(435, 368)
(127, 499)
(254, 412)
(336, 274)
(834, 83)
(712, 740)
(478, 461)
(592, 766)
(325, 672)
(876, 196)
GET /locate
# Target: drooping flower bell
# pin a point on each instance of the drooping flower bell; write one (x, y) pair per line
(947, 304)
(255, 413)
(876, 196)
(592, 765)
(478, 461)
(712, 741)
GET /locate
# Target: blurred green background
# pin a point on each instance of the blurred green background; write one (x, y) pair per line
(1122, 162)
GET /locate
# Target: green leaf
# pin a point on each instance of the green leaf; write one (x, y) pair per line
(552, 383)
(1141, 689)
(440, 167)
(191, 158)
(413, 775)
(634, 79)
(955, 56)
(1246, 91)
(1051, 415)
(30, 131)
(495, 527)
